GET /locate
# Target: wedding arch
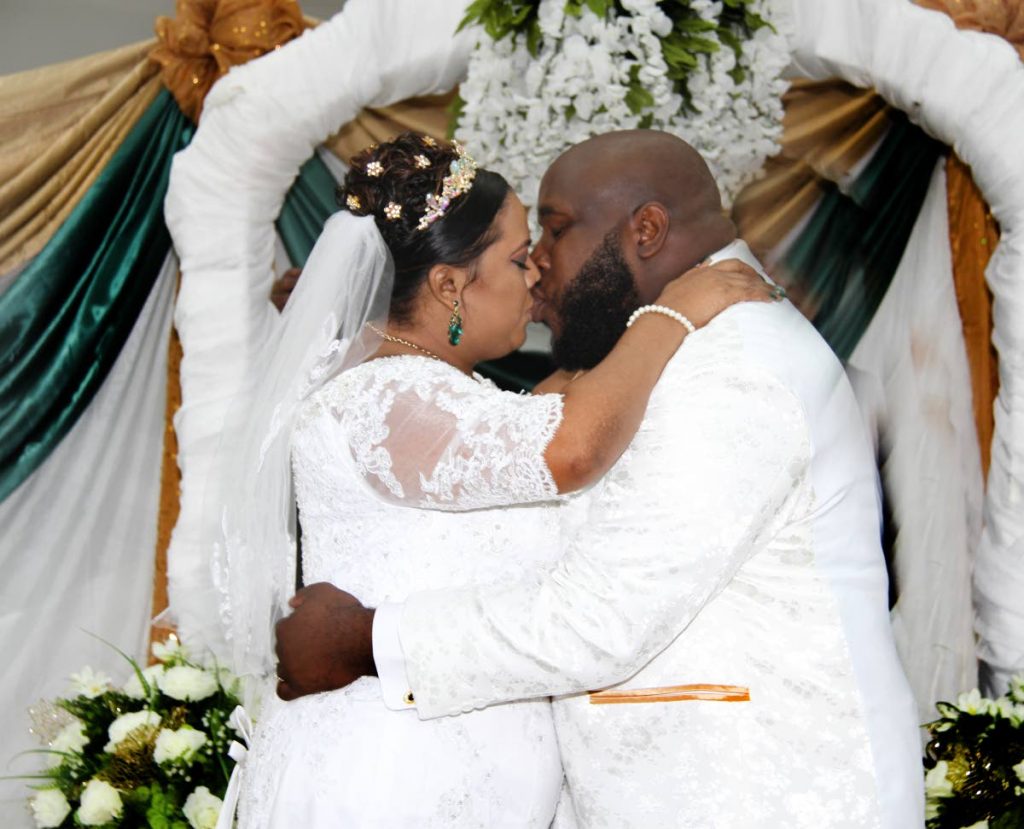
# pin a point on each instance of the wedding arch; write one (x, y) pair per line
(264, 119)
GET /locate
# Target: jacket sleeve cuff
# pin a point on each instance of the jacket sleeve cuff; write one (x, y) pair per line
(389, 658)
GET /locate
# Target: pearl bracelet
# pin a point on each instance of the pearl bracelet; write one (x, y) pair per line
(661, 309)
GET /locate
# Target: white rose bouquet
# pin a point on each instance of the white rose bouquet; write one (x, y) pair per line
(546, 74)
(152, 752)
(974, 763)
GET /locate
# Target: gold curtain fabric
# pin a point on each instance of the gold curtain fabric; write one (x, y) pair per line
(973, 235)
(428, 115)
(170, 489)
(828, 127)
(59, 126)
(207, 37)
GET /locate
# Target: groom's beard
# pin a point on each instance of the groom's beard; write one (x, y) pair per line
(595, 307)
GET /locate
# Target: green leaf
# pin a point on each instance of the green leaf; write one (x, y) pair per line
(638, 99)
(598, 7)
(678, 56)
(473, 13)
(695, 24)
(699, 44)
(518, 17)
(533, 38)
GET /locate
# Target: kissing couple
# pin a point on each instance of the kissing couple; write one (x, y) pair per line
(649, 594)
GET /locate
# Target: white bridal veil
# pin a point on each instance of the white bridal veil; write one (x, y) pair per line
(346, 282)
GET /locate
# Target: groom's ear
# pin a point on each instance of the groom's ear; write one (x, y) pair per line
(649, 226)
(445, 283)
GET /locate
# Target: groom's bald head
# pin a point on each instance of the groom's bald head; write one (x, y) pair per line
(623, 170)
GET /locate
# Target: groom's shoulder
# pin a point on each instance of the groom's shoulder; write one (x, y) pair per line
(757, 334)
(766, 338)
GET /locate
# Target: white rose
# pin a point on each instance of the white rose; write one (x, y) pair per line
(126, 723)
(1019, 771)
(178, 746)
(49, 808)
(1017, 688)
(202, 808)
(100, 804)
(133, 687)
(187, 683)
(90, 683)
(71, 738)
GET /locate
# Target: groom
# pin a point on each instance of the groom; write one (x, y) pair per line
(725, 587)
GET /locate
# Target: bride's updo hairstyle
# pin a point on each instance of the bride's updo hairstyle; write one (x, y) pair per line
(392, 181)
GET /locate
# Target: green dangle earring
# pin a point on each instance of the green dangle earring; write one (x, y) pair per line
(455, 325)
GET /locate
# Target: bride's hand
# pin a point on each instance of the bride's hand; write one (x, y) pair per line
(704, 291)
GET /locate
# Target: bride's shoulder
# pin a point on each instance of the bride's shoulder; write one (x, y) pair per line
(384, 377)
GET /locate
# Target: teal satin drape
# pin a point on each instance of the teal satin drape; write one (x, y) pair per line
(67, 315)
(306, 208)
(846, 256)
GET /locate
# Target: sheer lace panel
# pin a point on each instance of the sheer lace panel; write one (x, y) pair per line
(425, 435)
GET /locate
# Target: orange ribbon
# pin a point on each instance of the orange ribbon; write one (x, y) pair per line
(672, 693)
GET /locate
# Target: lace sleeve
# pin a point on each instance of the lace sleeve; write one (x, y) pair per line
(424, 435)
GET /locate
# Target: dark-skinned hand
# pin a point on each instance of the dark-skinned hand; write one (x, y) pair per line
(326, 643)
(282, 288)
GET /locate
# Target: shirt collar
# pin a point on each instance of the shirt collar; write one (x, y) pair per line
(738, 249)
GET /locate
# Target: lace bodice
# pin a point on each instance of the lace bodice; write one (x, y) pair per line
(410, 431)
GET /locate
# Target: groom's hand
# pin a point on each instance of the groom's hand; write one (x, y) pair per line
(326, 643)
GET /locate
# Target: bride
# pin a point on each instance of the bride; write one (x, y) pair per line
(371, 398)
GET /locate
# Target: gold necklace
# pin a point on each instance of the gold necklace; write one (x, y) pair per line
(391, 338)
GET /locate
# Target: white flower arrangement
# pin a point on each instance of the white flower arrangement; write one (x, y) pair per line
(151, 752)
(546, 75)
(975, 762)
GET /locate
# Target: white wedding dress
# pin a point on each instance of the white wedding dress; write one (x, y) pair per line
(414, 430)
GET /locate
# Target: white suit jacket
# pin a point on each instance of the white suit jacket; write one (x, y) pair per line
(726, 586)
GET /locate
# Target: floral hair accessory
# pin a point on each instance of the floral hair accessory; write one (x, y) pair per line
(426, 139)
(458, 181)
(421, 161)
(393, 211)
(352, 202)
(374, 169)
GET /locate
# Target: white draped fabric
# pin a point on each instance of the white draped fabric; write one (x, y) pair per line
(967, 89)
(260, 123)
(911, 377)
(78, 539)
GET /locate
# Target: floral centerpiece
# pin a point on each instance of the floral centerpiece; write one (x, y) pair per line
(975, 762)
(546, 74)
(152, 752)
